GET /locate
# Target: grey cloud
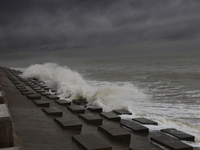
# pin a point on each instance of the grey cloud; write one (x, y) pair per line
(50, 25)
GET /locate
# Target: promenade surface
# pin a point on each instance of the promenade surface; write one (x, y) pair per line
(36, 130)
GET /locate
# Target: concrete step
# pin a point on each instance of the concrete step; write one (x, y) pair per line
(179, 134)
(145, 121)
(91, 142)
(171, 142)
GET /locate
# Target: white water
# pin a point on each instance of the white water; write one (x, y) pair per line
(116, 95)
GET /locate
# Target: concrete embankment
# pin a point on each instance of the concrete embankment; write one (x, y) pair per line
(42, 121)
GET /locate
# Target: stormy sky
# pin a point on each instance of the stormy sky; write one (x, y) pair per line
(48, 29)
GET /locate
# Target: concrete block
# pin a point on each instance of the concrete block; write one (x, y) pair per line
(69, 123)
(53, 97)
(53, 111)
(42, 103)
(122, 112)
(145, 121)
(27, 93)
(45, 93)
(115, 132)
(135, 127)
(6, 128)
(91, 118)
(171, 142)
(91, 142)
(79, 102)
(63, 102)
(95, 109)
(76, 109)
(34, 97)
(110, 116)
(9, 148)
(179, 134)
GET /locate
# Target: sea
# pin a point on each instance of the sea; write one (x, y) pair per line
(163, 88)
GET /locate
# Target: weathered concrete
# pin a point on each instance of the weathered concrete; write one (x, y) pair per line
(53, 111)
(42, 103)
(135, 127)
(6, 129)
(53, 97)
(179, 134)
(91, 142)
(34, 96)
(63, 102)
(91, 118)
(69, 123)
(122, 112)
(10, 148)
(116, 132)
(76, 109)
(171, 143)
(95, 109)
(110, 116)
(145, 121)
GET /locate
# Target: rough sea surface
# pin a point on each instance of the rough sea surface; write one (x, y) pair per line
(165, 89)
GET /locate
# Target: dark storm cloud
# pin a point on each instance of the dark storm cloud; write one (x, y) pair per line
(51, 25)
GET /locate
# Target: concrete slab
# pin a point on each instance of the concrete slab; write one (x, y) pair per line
(91, 118)
(122, 112)
(34, 97)
(53, 97)
(21, 87)
(110, 116)
(42, 103)
(79, 101)
(115, 132)
(27, 93)
(95, 109)
(69, 123)
(91, 142)
(63, 102)
(76, 109)
(145, 121)
(170, 142)
(40, 91)
(37, 88)
(135, 127)
(6, 127)
(179, 134)
(53, 111)
(9, 148)
(45, 93)
(23, 90)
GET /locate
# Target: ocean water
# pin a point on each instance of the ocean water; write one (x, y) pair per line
(165, 89)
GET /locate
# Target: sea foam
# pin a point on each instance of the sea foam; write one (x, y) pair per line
(71, 85)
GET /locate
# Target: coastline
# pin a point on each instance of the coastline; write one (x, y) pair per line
(38, 130)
